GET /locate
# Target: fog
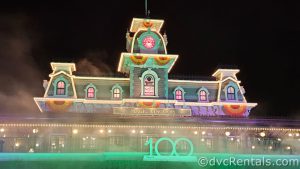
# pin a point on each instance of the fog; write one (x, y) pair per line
(19, 75)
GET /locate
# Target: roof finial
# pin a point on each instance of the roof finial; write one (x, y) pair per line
(147, 12)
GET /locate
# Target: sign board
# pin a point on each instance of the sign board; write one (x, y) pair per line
(134, 111)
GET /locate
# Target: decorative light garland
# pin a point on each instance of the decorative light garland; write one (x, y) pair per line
(144, 126)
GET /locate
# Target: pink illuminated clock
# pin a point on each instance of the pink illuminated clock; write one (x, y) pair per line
(149, 42)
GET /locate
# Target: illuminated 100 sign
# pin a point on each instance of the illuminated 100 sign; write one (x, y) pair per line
(174, 152)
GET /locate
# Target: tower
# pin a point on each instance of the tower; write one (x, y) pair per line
(146, 60)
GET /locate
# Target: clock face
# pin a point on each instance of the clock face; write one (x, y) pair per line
(148, 42)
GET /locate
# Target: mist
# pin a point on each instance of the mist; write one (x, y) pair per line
(19, 75)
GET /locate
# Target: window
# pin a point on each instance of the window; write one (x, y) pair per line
(60, 88)
(57, 143)
(149, 85)
(116, 93)
(230, 93)
(91, 92)
(203, 95)
(178, 94)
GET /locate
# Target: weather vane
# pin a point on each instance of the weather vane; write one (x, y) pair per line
(147, 12)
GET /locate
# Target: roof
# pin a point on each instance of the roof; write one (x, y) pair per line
(234, 71)
(143, 23)
(56, 64)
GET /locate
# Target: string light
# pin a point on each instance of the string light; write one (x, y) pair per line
(141, 131)
(195, 132)
(2, 130)
(165, 132)
(143, 126)
(172, 132)
(203, 132)
(133, 131)
(252, 147)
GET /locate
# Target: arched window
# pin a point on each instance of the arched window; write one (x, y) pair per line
(178, 95)
(91, 92)
(149, 85)
(231, 93)
(116, 93)
(203, 95)
(60, 88)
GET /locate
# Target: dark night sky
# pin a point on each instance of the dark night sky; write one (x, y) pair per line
(260, 38)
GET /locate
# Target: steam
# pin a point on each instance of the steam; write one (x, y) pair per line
(93, 64)
(19, 76)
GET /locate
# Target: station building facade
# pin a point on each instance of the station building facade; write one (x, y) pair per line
(119, 114)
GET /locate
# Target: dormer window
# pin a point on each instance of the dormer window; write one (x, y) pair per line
(231, 93)
(203, 95)
(60, 85)
(178, 93)
(60, 88)
(116, 92)
(90, 91)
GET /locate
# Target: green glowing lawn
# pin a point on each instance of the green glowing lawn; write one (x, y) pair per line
(120, 160)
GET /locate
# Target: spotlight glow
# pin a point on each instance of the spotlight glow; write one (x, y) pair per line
(227, 133)
(262, 134)
(75, 131)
